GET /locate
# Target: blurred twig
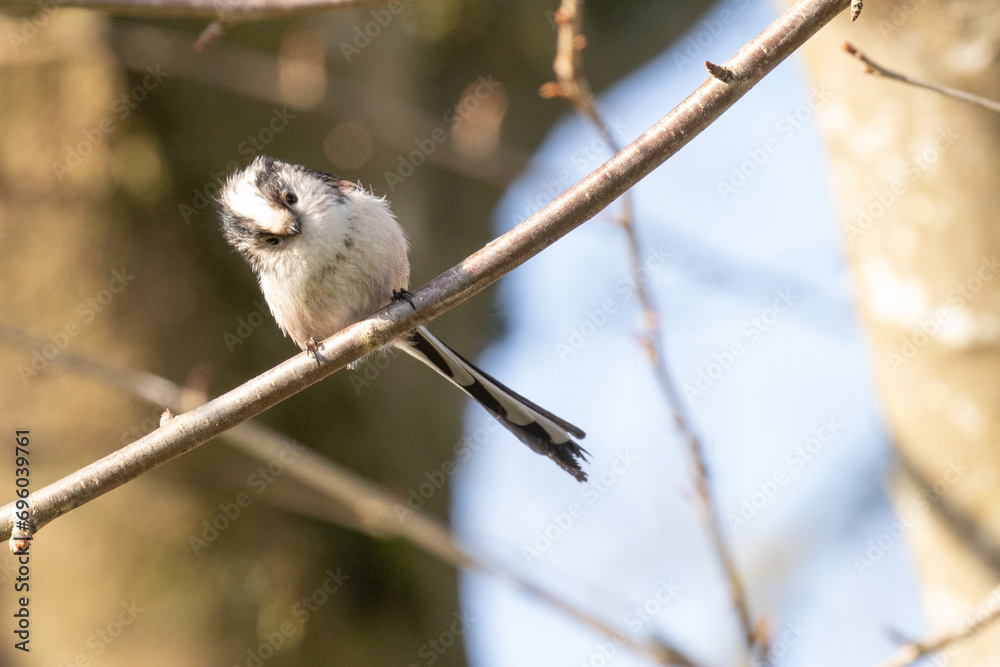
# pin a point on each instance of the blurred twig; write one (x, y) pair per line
(369, 508)
(571, 83)
(210, 35)
(229, 10)
(959, 520)
(986, 613)
(571, 209)
(871, 67)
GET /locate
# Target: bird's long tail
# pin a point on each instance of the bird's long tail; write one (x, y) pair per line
(533, 425)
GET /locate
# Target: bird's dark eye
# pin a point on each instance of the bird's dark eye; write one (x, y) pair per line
(272, 240)
(290, 198)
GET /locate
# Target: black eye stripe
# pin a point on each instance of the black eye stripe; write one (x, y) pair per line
(235, 227)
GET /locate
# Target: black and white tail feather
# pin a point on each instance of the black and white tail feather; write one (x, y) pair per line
(533, 425)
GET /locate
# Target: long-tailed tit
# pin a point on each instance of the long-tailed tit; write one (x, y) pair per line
(328, 254)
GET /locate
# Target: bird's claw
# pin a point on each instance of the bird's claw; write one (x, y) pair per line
(312, 347)
(404, 295)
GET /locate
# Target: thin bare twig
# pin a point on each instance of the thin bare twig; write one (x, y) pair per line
(368, 507)
(210, 35)
(959, 520)
(231, 11)
(580, 203)
(871, 67)
(985, 614)
(571, 83)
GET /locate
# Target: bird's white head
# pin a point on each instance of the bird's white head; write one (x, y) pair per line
(271, 206)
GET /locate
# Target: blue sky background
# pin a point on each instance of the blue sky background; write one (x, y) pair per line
(791, 424)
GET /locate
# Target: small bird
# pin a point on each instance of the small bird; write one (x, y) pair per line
(328, 253)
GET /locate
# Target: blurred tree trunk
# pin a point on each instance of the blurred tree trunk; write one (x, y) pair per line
(916, 178)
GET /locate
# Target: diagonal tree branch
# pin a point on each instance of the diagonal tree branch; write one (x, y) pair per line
(580, 203)
(366, 506)
(229, 11)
